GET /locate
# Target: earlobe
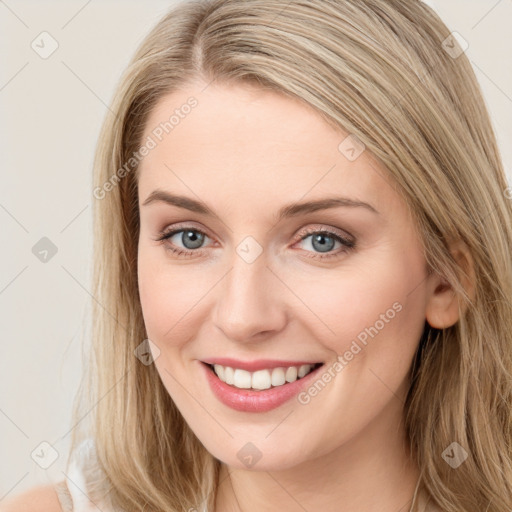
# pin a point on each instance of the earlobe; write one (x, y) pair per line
(442, 308)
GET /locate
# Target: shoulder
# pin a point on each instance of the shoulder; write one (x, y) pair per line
(42, 498)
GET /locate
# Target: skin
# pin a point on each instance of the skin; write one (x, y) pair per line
(247, 152)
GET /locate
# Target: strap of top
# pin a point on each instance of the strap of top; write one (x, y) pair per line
(64, 496)
(73, 492)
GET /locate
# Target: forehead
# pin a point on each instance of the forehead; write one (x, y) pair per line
(241, 137)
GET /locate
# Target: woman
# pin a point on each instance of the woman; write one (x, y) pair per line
(303, 275)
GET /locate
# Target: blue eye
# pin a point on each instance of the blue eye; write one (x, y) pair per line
(191, 238)
(322, 242)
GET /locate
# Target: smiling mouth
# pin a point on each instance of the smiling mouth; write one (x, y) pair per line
(262, 379)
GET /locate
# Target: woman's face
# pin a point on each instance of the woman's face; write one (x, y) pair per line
(264, 281)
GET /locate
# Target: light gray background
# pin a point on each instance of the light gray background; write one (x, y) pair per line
(51, 114)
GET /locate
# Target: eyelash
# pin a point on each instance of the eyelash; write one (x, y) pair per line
(348, 245)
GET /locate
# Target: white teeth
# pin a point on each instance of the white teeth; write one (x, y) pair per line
(219, 370)
(228, 375)
(278, 378)
(304, 369)
(261, 379)
(291, 374)
(242, 379)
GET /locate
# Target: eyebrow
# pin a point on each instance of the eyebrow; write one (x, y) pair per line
(290, 210)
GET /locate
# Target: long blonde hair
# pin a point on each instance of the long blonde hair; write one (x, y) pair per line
(379, 69)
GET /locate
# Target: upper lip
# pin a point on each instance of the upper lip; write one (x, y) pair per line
(258, 364)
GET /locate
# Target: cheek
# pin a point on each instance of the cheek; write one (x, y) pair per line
(169, 295)
(370, 306)
(159, 294)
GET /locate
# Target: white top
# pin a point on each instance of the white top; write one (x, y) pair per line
(73, 491)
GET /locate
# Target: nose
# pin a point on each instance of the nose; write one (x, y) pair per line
(250, 302)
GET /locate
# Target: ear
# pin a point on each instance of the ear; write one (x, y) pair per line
(442, 308)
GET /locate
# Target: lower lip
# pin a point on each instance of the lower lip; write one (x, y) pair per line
(247, 400)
